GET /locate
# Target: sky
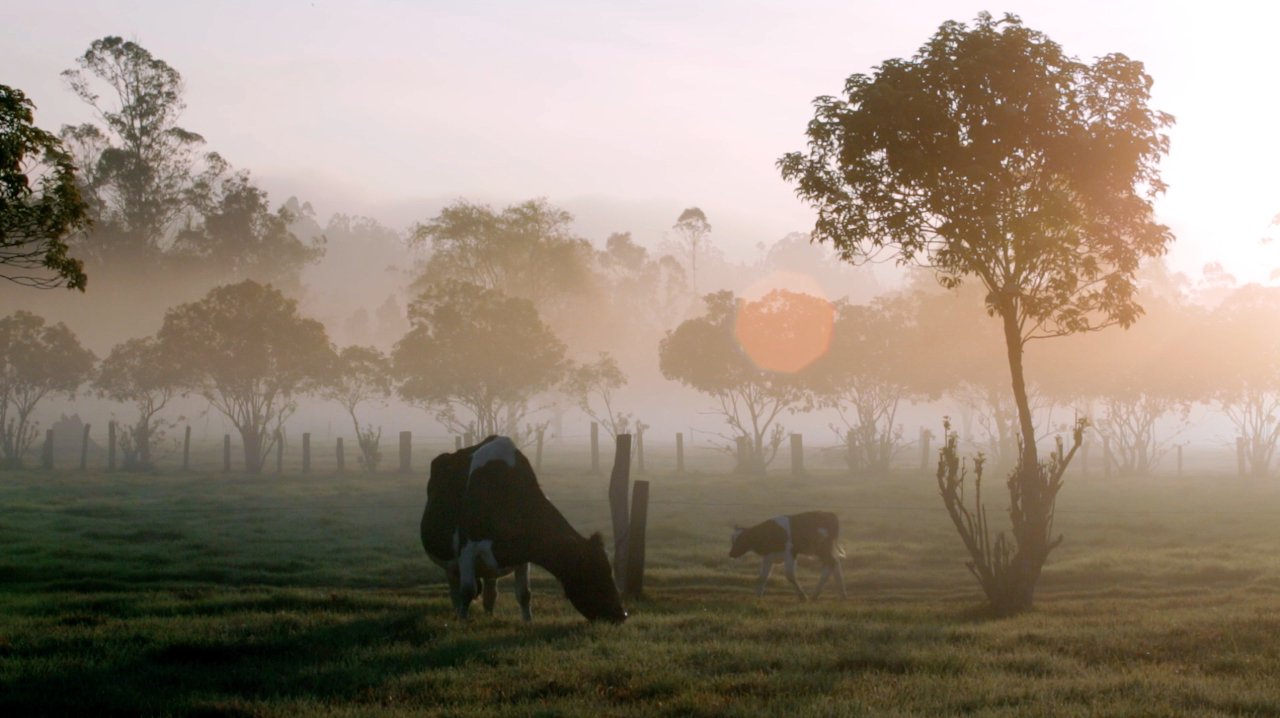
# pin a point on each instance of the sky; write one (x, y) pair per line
(625, 113)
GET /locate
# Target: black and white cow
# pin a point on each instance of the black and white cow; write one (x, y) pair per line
(486, 517)
(782, 538)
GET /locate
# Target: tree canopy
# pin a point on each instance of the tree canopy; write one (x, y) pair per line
(40, 202)
(993, 155)
(36, 361)
(475, 349)
(245, 349)
(142, 372)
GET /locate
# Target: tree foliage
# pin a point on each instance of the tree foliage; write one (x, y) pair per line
(474, 349)
(245, 349)
(40, 202)
(705, 354)
(141, 371)
(142, 162)
(361, 375)
(594, 386)
(691, 230)
(36, 361)
(527, 251)
(1241, 347)
(992, 155)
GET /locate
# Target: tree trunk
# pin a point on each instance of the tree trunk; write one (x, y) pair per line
(252, 440)
(1028, 511)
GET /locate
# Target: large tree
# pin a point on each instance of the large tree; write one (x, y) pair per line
(140, 371)
(477, 350)
(1239, 354)
(139, 162)
(527, 250)
(40, 202)
(245, 349)
(750, 357)
(36, 361)
(691, 230)
(361, 375)
(991, 155)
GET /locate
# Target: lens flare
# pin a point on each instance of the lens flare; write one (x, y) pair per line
(785, 330)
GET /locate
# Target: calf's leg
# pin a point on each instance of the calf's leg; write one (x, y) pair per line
(490, 592)
(766, 567)
(790, 567)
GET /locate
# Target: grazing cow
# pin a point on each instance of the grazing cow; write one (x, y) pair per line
(486, 517)
(782, 538)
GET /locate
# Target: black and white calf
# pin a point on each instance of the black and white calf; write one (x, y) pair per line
(486, 517)
(782, 538)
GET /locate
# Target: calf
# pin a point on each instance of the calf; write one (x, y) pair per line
(782, 538)
(487, 517)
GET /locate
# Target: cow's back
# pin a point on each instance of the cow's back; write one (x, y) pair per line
(814, 532)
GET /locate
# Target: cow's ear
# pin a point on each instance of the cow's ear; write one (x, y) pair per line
(597, 540)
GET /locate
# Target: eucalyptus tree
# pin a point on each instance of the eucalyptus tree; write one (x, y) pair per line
(691, 230)
(40, 202)
(36, 361)
(246, 350)
(361, 375)
(1239, 353)
(992, 155)
(140, 371)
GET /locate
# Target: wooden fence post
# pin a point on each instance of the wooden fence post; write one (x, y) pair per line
(742, 454)
(306, 452)
(595, 448)
(925, 436)
(84, 449)
(797, 455)
(635, 538)
(406, 445)
(457, 443)
(537, 457)
(186, 448)
(1240, 455)
(342, 460)
(280, 452)
(111, 445)
(226, 453)
(619, 483)
(46, 456)
(1106, 457)
(640, 452)
(1179, 459)
(679, 452)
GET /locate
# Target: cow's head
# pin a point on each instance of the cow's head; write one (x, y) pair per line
(737, 546)
(591, 590)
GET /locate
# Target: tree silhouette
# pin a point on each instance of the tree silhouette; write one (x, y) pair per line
(36, 361)
(361, 375)
(40, 202)
(991, 155)
(140, 371)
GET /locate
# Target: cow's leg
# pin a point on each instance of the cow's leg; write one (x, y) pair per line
(766, 567)
(489, 589)
(467, 575)
(455, 589)
(835, 562)
(523, 595)
(790, 567)
(826, 574)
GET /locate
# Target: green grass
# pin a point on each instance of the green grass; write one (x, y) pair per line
(226, 595)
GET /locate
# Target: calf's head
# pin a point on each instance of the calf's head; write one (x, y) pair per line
(591, 589)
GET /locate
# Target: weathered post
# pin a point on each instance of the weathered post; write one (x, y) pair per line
(46, 456)
(635, 538)
(84, 449)
(406, 439)
(1106, 457)
(619, 483)
(468, 439)
(457, 443)
(226, 453)
(679, 452)
(640, 452)
(1179, 459)
(306, 452)
(537, 456)
(111, 445)
(595, 448)
(742, 454)
(851, 447)
(342, 459)
(1240, 455)
(280, 452)
(186, 448)
(925, 436)
(797, 455)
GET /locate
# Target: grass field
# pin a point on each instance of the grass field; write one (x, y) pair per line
(225, 595)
